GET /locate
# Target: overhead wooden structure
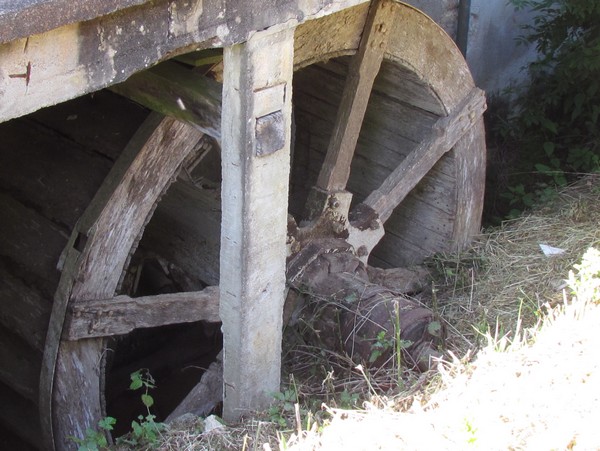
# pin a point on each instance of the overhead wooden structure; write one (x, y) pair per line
(388, 154)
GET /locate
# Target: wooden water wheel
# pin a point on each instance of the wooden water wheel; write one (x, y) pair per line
(401, 178)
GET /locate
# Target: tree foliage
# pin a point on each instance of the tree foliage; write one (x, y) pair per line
(555, 122)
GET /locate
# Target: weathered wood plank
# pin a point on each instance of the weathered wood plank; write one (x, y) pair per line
(201, 58)
(20, 368)
(392, 127)
(94, 122)
(203, 398)
(430, 56)
(370, 168)
(94, 260)
(76, 59)
(48, 172)
(31, 240)
(9, 439)
(470, 185)
(21, 417)
(332, 36)
(446, 132)
(384, 114)
(373, 162)
(24, 310)
(174, 90)
(186, 229)
(23, 18)
(357, 90)
(415, 91)
(122, 314)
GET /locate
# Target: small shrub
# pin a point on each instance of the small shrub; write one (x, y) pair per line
(554, 125)
(146, 431)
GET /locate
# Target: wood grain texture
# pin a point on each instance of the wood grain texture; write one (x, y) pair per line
(29, 240)
(25, 310)
(445, 133)
(20, 366)
(122, 314)
(21, 416)
(357, 91)
(423, 77)
(186, 229)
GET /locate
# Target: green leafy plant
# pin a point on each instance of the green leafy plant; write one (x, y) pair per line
(349, 400)
(471, 431)
(381, 344)
(284, 407)
(145, 431)
(553, 126)
(95, 440)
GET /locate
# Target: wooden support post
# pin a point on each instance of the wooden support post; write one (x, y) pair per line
(256, 120)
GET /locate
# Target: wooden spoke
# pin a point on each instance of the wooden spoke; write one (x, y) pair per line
(362, 72)
(122, 314)
(445, 133)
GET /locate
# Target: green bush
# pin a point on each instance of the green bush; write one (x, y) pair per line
(554, 124)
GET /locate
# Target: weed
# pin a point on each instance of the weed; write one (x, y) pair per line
(380, 346)
(284, 408)
(553, 126)
(95, 440)
(349, 400)
(471, 432)
(146, 431)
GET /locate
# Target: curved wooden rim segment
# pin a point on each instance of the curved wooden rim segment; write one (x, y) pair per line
(93, 262)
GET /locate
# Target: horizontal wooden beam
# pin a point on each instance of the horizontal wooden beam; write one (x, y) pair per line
(73, 58)
(20, 19)
(174, 90)
(444, 134)
(122, 314)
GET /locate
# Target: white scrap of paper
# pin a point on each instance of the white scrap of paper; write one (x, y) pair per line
(550, 251)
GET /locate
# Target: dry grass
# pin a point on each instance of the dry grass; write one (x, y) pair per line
(521, 370)
(506, 276)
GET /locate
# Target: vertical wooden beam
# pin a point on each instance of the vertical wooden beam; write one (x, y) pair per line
(256, 120)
